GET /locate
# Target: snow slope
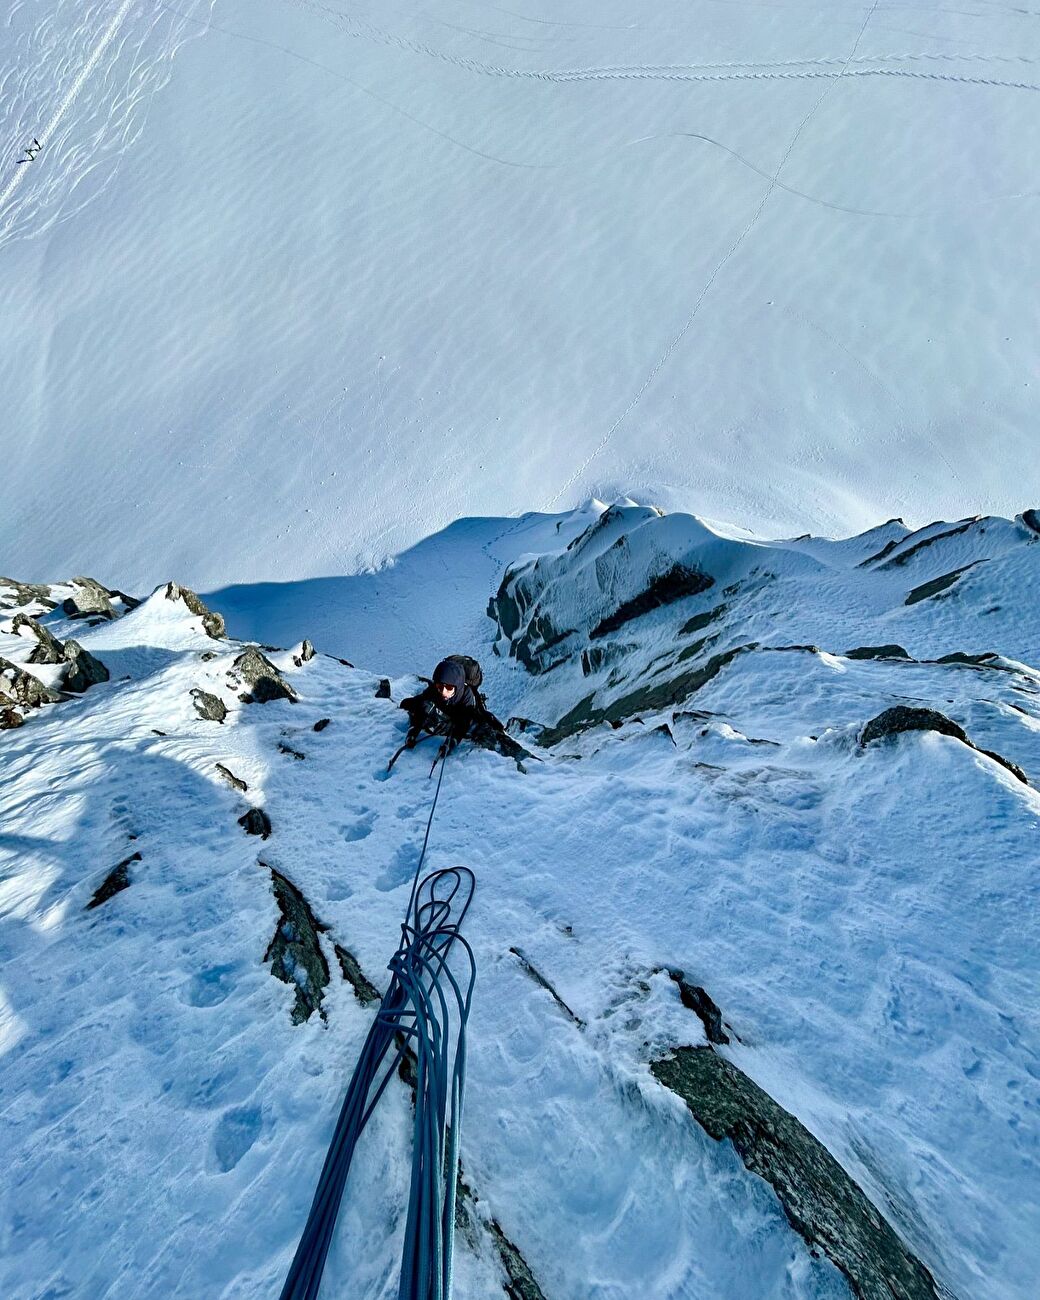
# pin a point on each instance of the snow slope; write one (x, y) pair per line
(865, 916)
(380, 266)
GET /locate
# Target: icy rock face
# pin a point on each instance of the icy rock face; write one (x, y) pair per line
(641, 611)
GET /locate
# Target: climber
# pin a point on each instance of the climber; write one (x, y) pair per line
(453, 706)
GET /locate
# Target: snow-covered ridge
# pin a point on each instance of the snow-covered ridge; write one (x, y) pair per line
(855, 915)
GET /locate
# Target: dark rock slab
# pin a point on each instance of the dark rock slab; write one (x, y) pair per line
(10, 718)
(645, 699)
(520, 1283)
(928, 590)
(898, 560)
(116, 880)
(84, 670)
(383, 689)
(903, 718)
(235, 782)
(1031, 519)
(701, 621)
(90, 600)
(212, 622)
(23, 688)
(256, 822)
(878, 652)
(48, 650)
(209, 707)
(666, 588)
(823, 1204)
(364, 990)
(295, 953)
(265, 681)
(283, 748)
(321, 724)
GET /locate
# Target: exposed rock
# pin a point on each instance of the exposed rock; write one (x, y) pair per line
(321, 724)
(209, 707)
(235, 782)
(902, 718)
(283, 748)
(364, 990)
(877, 652)
(10, 718)
(520, 1282)
(23, 688)
(256, 822)
(819, 1198)
(383, 689)
(48, 649)
(938, 585)
(676, 583)
(700, 621)
(16, 595)
(697, 1000)
(307, 653)
(987, 660)
(540, 980)
(646, 699)
(212, 623)
(84, 670)
(90, 600)
(295, 953)
(1031, 519)
(264, 679)
(117, 879)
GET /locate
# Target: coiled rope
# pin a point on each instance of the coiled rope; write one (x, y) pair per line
(425, 1011)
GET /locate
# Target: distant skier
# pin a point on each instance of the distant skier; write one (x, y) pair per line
(452, 706)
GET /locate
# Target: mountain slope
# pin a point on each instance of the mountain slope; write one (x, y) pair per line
(862, 912)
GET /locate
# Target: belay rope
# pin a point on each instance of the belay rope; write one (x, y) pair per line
(425, 1008)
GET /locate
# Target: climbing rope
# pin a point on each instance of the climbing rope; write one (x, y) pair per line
(423, 1017)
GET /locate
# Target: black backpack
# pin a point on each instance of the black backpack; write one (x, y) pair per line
(474, 675)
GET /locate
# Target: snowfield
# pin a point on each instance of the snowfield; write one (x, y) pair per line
(864, 915)
(380, 266)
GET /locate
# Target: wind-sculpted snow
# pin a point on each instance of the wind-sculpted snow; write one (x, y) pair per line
(861, 918)
(76, 82)
(382, 267)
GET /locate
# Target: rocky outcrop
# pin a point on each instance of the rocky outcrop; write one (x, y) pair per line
(383, 689)
(264, 680)
(9, 718)
(821, 1201)
(877, 652)
(48, 649)
(23, 688)
(212, 623)
(209, 707)
(117, 879)
(235, 782)
(321, 724)
(90, 600)
(295, 953)
(307, 653)
(84, 670)
(256, 822)
(894, 721)
(17, 595)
